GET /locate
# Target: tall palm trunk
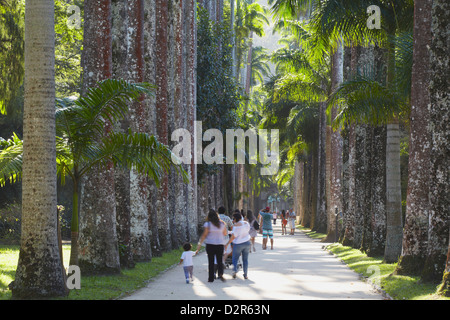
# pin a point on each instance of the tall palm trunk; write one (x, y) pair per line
(438, 242)
(178, 119)
(190, 25)
(336, 147)
(161, 52)
(378, 191)
(139, 193)
(150, 24)
(394, 220)
(417, 203)
(233, 50)
(320, 224)
(122, 175)
(99, 251)
(39, 271)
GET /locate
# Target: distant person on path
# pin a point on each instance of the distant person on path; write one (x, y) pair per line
(253, 230)
(292, 221)
(274, 214)
(187, 261)
(213, 235)
(267, 230)
(283, 222)
(241, 243)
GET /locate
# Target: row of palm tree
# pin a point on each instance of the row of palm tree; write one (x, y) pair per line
(361, 78)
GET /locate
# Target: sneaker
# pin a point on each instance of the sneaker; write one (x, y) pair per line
(187, 280)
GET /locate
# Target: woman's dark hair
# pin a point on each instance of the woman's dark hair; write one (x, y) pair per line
(250, 216)
(237, 217)
(187, 246)
(213, 217)
(283, 213)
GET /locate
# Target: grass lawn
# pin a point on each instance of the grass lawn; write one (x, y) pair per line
(380, 273)
(93, 287)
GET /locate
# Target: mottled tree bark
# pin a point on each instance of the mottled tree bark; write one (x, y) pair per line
(438, 242)
(139, 193)
(99, 251)
(320, 224)
(336, 146)
(378, 191)
(150, 22)
(39, 271)
(415, 231)
(190, 46)
(162, 107)
(361, 167)
(121, 175)
(177, 119)
(349, 172)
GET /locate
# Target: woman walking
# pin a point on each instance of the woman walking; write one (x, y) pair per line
(241, 243)
(253, 231)
(213, 235)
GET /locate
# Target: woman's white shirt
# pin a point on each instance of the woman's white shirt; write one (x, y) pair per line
(240, 232)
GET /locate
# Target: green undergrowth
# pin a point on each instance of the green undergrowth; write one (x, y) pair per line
(311, 234)
(93, 287)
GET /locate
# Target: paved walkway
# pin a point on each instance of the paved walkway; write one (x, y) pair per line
(297, 269)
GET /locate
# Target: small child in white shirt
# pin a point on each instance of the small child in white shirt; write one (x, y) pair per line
(186, 259)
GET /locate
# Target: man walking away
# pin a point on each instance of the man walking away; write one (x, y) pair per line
(267, 230)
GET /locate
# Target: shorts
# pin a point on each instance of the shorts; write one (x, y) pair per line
(267, 233)
(292, 223)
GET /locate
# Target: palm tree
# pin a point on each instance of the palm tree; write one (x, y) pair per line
(260, 68)
(347, 19)
(98, 237)
(162, 110)
(415, 232)
(438, 239)
(250, 18)
(81, 146)
(40, 272)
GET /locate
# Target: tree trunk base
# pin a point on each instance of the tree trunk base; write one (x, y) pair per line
(410, 265)
(444, 288)
(432, 271)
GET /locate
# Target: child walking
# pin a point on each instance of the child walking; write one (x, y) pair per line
(188, 264)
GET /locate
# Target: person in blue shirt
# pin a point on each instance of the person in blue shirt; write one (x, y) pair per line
(267, 230)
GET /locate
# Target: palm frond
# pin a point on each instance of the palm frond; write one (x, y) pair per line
(140, 151)
(364, 100)
(108, 101)
(11, 160)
